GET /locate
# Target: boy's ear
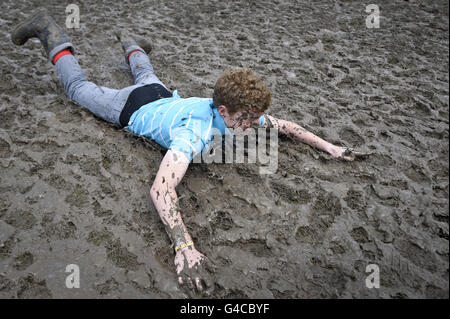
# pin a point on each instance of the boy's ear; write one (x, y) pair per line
(222, 109)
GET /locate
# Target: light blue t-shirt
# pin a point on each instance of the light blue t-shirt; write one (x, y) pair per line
(184, 124)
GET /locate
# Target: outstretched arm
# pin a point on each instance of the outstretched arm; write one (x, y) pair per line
(188, 261)
(298, 133)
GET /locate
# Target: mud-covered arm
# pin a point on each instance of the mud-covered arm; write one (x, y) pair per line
(171, 171)
(189, 262)
(298, 133)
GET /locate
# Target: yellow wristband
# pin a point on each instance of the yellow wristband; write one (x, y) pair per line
(190, 243)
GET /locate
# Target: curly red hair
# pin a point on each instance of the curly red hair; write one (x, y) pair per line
(241, 89)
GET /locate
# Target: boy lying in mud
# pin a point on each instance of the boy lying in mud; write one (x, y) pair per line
(182, 125)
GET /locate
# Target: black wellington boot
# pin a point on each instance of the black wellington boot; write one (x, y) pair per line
(131, 42)
(41, 25)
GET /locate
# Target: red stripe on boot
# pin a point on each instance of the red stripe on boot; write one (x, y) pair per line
(61, 54)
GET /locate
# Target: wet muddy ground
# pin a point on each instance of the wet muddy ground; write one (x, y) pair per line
(75, 189)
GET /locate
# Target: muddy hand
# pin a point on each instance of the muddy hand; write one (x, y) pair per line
(348, 154)
(191, 266)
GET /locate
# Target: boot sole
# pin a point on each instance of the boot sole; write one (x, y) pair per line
(23, 24)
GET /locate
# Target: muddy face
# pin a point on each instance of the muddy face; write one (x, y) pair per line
(242, 119)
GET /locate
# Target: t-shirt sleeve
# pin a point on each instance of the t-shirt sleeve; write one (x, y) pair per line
(188, 142)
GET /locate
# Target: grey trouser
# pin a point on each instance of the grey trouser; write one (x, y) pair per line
(104, 102)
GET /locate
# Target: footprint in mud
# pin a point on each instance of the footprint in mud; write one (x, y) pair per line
(6, 247)
(290, 194)
(4, 206)
(79, 197)
(324, 210)
(20, 219)
(255, 246)
(109, 157)
(416, 174)
(355, 200)
(164, 256)
(47, 163)
(351, 137)
(31, 287)
(222, 220)
(384, 195)
(47, 218)
(280, 291)
(384, 135)
(8, 119)
(6, 284)
(90, 166)
(347, 82)
(337, 247)
(99, 237)
(360, 235)
(60, 230)
(99, 211)
(421, 110)
(381, 160)
(111, 285)
(308, 235)
(148, 236)
(323, 213)
(416, 254)
(23, 261)
(327, 202)
(120, 256)
(439, 169)
(441, 216)
(58, 182)
(397, 183)
(282, 234)
(5, 149)
(433, 292)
